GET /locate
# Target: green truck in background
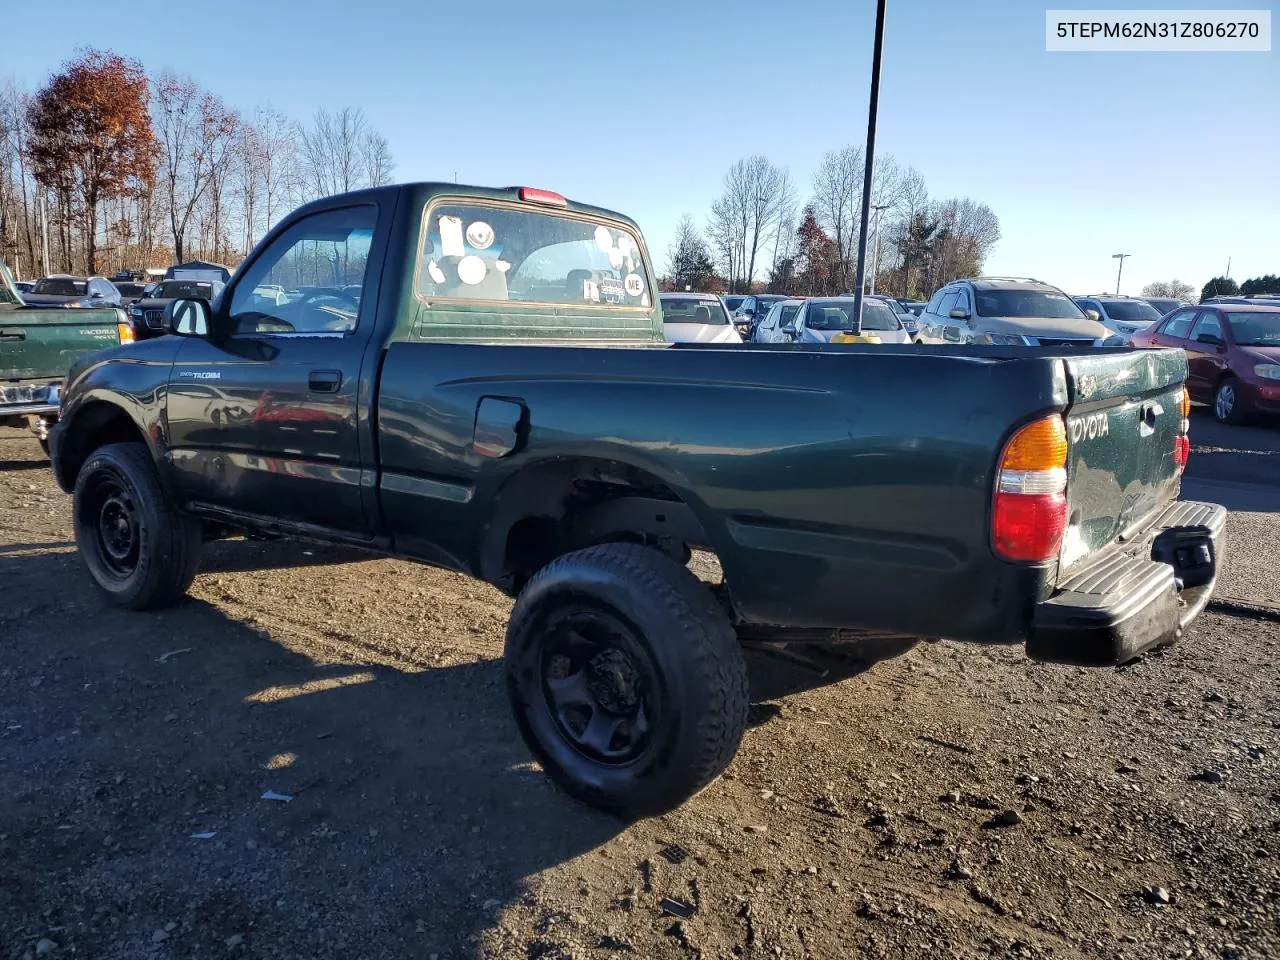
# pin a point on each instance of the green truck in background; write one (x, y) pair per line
(38, 347)
(477, 379)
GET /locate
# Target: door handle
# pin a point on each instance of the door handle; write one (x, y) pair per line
(14, 335)
(325, 381)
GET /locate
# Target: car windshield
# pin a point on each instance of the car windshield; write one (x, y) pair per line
(1261, 329)
(1037, 304)
(688, 310)
(836, 314)
(1131, 311)
(733, 303)
(61, 287)
(1164, 306)
(177, 289)
(895, 306)
(129, 289)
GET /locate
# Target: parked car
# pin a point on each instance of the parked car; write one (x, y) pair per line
(1123, 316)
(781, 314)
(130, 290)
(147, 313)
(24, 286)
(733, 302)
(60, 290)
(831, 320)
(751, 311)
(915, 306)
(1010, 311)
(502, 402)
(37, 346)
(1233, 355)
(696, 318)
(908, 318)
(1164, 304)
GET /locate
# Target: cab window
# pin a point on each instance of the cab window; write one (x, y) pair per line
(1209, 322)
(499, 253)
(310, 279)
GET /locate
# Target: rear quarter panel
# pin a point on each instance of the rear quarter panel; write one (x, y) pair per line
(840, 487)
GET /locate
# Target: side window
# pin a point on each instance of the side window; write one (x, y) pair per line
(771, 318)
(962, 301)
(1085, 304)
(1179, 324)
(948, 304)
(935, 303)
(310, 279)
(1209, 322)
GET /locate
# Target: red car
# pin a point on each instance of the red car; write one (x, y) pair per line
(1233, 355)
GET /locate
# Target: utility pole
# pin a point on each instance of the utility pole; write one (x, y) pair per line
(872, 107)
(879, 208)
(1120, 257)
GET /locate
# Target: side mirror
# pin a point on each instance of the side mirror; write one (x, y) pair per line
(1212, 338)
(96, 295)
(959, 314)
(187, 318)
(1093, 315)
(789, 329)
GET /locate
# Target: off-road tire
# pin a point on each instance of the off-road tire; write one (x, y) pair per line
(700, 677)
(168, 541)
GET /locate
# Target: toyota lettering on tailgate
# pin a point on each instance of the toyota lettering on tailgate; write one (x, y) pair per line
(1089, 427)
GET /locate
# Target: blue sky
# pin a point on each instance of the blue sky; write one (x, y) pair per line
(642, 107)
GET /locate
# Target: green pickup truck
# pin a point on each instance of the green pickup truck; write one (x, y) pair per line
(477, 379)
(38, 347)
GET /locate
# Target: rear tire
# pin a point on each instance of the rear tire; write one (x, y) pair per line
(1228, 406)
(141, 551)
(626, 679)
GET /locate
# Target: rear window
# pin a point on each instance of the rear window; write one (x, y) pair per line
(180, 289)
(733, 303)
(683, 310)
(1132, 311)
(475, 252)
(1036, 304)
(61, 287)
(835, 315)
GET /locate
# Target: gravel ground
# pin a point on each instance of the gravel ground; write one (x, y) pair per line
(954, 801)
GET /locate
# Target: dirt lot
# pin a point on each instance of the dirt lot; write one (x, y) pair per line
(861, 818)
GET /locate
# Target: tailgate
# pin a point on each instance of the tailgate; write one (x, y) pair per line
(1123, 419)
(35, 344)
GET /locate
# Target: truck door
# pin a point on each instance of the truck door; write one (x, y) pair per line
(266, 417)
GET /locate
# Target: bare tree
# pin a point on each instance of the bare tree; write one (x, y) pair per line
(375, 155)
(277, 141)
(745, 216)
(1172, 289)
(194, 130)
(837, 193)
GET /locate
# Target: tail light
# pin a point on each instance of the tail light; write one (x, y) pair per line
(1182, 442)
(125, 332)
(1030, 515)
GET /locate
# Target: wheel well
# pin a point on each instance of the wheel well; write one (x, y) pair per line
(96, 425)
(553, 508)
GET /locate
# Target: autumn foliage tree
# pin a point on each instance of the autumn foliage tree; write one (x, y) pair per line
(91, 136)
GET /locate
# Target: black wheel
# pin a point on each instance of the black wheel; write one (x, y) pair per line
(140, 550)
(626, 678)
(1228, 405)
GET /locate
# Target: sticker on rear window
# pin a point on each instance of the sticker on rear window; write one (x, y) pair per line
(611, 290)
(480, 235)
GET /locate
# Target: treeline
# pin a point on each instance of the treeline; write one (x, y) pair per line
(759, 235)
(118, 169)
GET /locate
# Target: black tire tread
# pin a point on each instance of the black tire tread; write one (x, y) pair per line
(176, 552)
(716, 658)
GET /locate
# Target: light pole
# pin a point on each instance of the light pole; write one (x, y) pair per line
(879, 208)
(872, 107)
(1120, 257)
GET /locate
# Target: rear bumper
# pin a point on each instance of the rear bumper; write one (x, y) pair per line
(28, 410)
(1135, 598)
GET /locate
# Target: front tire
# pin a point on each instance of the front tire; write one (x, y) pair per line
(1228, 405)
(626, 679)
(141, 551)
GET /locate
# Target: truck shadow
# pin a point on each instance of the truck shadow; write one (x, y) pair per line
(135, 773)
(243, 555)
(774, 674)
